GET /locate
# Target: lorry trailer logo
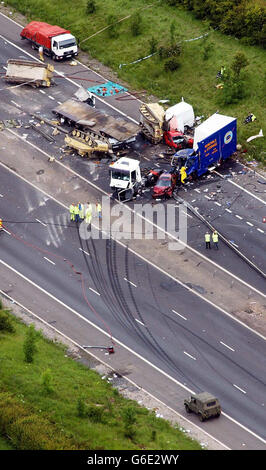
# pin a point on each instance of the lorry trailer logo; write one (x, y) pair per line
(228, 137)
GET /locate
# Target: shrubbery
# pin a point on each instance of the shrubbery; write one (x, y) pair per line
(27, 430)
(6, 322)
(244, 19)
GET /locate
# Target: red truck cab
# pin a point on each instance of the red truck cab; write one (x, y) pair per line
(177, 140)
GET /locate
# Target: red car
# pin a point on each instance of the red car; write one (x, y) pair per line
(177, 140)
(165, 185)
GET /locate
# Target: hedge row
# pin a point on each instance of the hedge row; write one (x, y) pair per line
(244, 19)
(29, 431)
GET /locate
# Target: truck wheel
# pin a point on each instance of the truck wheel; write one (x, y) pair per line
(53, 56)
(201, 418)
(188, 410)
(218, 415)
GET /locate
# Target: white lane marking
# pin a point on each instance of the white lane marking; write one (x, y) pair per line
(107, 365)
(241, 390)
(233, 243)
(134, 212)
(217, 203)
(179, 314)
(95, 291)
(145, 260)
(140, 322)
(40, 222)
(51, 97)
(42, 91)
(1, 195)
(6, 231)
(226, 345)
(243, 427)
(207, 197)
(191, 357)
(240, 187)
(249, 223)
(188, 215)
(259, 229)
(16, 104)
(228, 210)
(130, 282)
(59, 102)
(86, 253)
(47, 259)
(69, 80)
(146, 158)
(196, 189)
(239, 217)
(4, 67)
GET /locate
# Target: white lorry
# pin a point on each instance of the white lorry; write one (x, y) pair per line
(125, 178)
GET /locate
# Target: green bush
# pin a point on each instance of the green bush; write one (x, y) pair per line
(136, 24)
(170, 51)
(81, 408)
(6, 322)
(95, 413)
(29, 345)
(47, 382)
(91, 7)
(171, 64)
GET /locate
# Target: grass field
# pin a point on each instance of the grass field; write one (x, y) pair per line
(194, 80)
(70, 382)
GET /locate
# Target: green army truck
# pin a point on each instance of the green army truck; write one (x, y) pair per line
(204, 405)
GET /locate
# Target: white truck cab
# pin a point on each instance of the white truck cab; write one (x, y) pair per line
(64, 45)
(125, 175)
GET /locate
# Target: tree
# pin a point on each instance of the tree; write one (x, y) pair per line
(136, 24)
(91, 7)
(29, 345)
(240, 62)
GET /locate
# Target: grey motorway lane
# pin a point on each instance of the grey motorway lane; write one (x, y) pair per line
(196, 344)
(251, 240)
(82, 75)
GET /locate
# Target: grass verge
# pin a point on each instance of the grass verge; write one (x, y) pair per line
(57, 403)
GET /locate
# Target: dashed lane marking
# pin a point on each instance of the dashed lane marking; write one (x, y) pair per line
(179, 314)
(226, 345)
(40, 222)
(140, 322)
(241, 390)
(189, 355)
(86, 253)
(47, 259)
(95, 291)
(130, 282)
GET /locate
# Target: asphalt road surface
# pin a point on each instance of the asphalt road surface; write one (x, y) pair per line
(181, 336)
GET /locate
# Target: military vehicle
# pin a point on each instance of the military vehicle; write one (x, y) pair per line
(204, 405)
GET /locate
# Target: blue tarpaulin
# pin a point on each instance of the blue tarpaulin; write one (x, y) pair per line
(107, 89)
